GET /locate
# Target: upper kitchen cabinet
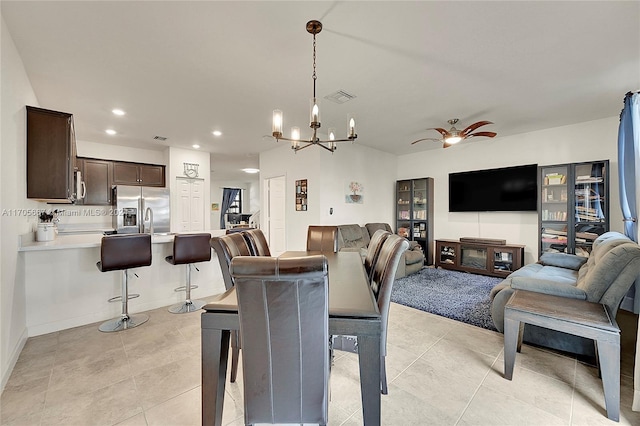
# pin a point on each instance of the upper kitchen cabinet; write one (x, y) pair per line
(138, 174)
(96, 177)
(51, 153)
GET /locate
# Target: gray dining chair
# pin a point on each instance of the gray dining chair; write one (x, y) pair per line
(373, 250)
(257, 242)
(227, 247)
(322, 238)
(283, 305)
(382, 278)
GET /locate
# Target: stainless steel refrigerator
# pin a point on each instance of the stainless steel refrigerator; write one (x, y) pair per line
(131, 204)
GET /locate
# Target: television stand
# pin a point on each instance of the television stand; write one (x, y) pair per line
(479, 256)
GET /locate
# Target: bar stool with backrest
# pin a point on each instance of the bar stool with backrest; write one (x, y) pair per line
(187, 250)
(382, 278)
(322, 238)
(257, 242)
(283, 306)
(121, 253)
(227, 247)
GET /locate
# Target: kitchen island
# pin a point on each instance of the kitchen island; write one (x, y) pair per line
(65, 289)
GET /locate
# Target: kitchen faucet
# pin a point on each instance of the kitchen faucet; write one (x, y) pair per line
(148, 215)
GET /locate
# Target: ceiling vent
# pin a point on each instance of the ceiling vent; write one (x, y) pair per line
(159, 138)
(340, 97)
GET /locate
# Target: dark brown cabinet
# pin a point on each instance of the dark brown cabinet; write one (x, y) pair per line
(51, 153)
(573, 206)
(97, 176)
(138, 174)
(414, 213)
(484, 258)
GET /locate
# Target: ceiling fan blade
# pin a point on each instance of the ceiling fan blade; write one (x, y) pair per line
(426, 139)
(442, 131)
(474, 126)
(486, 134)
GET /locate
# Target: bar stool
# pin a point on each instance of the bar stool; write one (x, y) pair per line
(121, 253)
(187, 250)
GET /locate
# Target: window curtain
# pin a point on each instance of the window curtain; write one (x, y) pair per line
(228, 195)
(629, 172)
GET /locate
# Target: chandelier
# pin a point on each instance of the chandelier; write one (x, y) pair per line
(313, 27)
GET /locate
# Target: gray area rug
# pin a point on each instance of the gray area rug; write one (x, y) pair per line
(452, 294)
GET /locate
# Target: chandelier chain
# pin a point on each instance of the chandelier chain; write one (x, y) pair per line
(314, 67)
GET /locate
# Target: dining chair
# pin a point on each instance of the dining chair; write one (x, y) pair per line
(257, 242)
(227, 247)
(373, 250)
(322, 238)
(382, 278)
(283, 306)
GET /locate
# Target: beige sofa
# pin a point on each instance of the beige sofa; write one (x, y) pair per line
(353, 237)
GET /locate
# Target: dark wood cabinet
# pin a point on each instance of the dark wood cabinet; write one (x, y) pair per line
(484, 258)
(51, 152)
(414, 213)
(573, 206)
(97, 177)
(138, 174)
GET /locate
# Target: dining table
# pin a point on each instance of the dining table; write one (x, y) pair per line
(353, 311)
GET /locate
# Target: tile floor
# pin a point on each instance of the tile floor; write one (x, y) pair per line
(441, 372)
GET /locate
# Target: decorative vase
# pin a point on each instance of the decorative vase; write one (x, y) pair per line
(355, 197)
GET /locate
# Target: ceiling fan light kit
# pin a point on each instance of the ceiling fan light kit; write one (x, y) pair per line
(313, 27)
(453, 135)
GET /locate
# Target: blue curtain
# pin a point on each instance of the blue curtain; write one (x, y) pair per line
(629, 172)
(228, 195)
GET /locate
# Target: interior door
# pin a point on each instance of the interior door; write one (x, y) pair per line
(190, 204)
(276, 214)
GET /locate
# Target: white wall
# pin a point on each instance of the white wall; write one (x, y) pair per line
(121, 153)
(593, 140)
(327, 176)
(15, 92)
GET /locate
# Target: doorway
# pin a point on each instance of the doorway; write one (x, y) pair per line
(274, 190)
(190, 204)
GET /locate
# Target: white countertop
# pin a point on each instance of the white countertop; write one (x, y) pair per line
(71, 241)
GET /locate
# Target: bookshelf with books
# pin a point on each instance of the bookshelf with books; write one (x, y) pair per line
(414, 213)
(573, 206)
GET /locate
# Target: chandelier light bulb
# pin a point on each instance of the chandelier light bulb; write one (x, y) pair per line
(277, 123)
(332, 134)
(295, 133)
(315, 113)
(352, 127)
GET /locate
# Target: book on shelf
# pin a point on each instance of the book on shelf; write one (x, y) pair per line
(555, 231)
(555, 179)
(589, 179)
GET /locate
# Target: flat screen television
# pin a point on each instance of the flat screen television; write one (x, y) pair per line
(508, 189)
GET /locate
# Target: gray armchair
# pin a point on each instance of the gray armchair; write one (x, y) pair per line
(605, 277)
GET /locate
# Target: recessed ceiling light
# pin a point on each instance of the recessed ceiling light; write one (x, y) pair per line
(195, 145)
(251, 170)
(217, 133)
(110, 132)
(118, 111)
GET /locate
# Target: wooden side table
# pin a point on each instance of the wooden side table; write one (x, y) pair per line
(577, 317)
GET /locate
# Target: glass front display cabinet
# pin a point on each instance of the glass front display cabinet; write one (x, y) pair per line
(573, 206)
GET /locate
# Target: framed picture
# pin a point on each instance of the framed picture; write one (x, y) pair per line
(301, 195)
(354, 193)
(215, 207)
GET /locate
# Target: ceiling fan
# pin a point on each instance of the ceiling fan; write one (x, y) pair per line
(453, 135)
